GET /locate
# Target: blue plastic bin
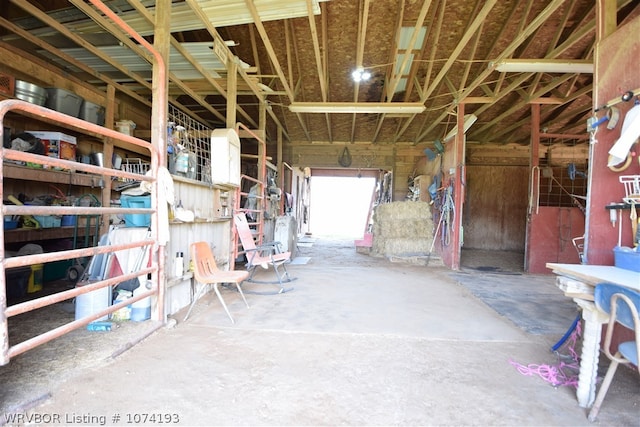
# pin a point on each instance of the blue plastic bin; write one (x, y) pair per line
(626, 258)
(137, 202)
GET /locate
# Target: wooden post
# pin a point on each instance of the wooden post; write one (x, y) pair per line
(534, 176)
(458, 190)
(232, 92)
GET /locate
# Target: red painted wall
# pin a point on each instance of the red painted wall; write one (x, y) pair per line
(616, 72)
(551, 239)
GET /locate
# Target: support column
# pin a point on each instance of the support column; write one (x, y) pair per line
(534, 177)
(458, 190)
(232, 92)
(159, 119)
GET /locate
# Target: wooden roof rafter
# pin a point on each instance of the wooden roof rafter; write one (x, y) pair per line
(291, 49)
(126, 40)
(363, 20)
(476, 23)
(71, 60)
(418, 53)
(474, 49)
(430, 65)
(42, 16)
(520, 38)
(321, 66)
(545, 110)
(525, 100)
(390, 67)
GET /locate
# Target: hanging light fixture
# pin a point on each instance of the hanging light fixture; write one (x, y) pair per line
(360, 74)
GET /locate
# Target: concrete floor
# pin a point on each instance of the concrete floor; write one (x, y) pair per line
(357, 341)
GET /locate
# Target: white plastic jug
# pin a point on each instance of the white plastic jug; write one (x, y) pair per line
(141, 310)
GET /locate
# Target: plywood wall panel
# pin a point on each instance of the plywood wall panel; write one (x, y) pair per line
(495, 207)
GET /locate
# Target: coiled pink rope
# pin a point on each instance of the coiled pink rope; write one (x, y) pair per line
(560, 374)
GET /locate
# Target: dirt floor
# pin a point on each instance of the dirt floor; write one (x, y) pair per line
(356, 340)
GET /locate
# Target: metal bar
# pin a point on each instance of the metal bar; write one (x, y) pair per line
(82, 126)
(159, 135)
(68, 327)
(34, 304)
(21, 261)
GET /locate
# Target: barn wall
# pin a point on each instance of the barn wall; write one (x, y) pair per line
(401, 159)
(555, 229)
(616, 73)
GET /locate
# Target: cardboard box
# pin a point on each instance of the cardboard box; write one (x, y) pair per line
(57, 144)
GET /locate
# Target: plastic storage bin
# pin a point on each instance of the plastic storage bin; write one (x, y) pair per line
(63, 101)
(93, 113)
(626, 258)
(137, 202)
(48, 221)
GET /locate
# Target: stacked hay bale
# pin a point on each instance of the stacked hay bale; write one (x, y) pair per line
(402, 230)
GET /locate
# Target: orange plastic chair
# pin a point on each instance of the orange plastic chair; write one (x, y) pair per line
(206, 271)
(265, 255)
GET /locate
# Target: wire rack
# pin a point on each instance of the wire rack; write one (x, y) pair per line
(631, 185)
(135, 165)
(189, 147)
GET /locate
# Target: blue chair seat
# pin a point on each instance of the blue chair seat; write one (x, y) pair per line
(622, 305)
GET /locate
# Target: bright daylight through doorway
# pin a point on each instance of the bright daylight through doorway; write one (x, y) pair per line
(339, 206)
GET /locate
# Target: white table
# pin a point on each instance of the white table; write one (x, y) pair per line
(578, 282)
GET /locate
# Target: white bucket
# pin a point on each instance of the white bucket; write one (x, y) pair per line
(93, 302)
(141, 310)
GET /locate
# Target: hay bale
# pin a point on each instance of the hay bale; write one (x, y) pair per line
(401, 228)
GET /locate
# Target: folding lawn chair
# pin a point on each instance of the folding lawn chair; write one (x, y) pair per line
(265, 255)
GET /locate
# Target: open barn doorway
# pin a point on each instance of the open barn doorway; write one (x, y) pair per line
(340, 205)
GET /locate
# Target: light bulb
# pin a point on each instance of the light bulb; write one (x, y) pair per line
(360, 75)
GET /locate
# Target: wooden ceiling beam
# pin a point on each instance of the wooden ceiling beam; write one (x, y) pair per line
(126, 39)
(475, 25)
(462, 43)
(291, 47)
(526, 100)
(268, 46)
(430, 64)
(71, 60)
(389, 68)
(546, 111)
(217, 39)
(320, 67)
(325, 61)
(254, 48)
(520, 38)
(510, 129)
(37, 13)
(472, 54)
(395, 79)
(363, 20)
